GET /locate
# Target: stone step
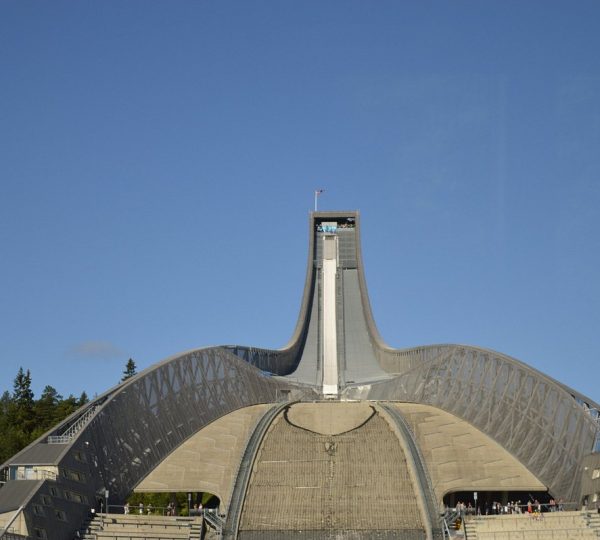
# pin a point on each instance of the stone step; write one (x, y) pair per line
(120, 527)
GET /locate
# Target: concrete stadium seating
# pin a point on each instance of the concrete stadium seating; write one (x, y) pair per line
(315, 483)
(549, 526)
(144, 527)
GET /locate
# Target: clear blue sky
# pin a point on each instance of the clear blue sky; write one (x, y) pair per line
(158, 160)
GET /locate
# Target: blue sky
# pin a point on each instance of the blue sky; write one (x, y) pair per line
(158, 162)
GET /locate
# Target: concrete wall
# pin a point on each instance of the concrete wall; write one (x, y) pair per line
(208, 460)
(459, 457)
(590, 486)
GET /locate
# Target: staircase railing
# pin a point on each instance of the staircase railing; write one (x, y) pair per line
(213, 518)
(6, 533)
(445, 528)
(74, 428)
(245, 469)
(423, 477)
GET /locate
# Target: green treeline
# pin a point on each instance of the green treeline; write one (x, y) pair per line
(23, 418)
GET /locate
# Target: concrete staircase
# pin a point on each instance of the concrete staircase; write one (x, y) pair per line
(550, 526)
(592, 519)
(135, 527)
(308, 485)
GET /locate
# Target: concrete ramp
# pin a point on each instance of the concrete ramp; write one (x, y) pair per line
(315, 478)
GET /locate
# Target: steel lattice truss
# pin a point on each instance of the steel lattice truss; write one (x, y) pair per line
(529, 414)
(153, 414)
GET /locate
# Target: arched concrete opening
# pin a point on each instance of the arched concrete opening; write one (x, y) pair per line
(207, 462)
(498, 502)
(175, 503)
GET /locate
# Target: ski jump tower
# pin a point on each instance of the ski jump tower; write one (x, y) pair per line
(331, 436)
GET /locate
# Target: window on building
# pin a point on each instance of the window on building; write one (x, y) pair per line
(78, 497)
(596, 474)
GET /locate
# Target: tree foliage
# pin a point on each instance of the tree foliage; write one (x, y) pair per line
(130, 370)
(23, 418)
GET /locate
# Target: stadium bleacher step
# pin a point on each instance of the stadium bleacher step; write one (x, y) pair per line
(593, 521)
(471, 530)
(133, 527)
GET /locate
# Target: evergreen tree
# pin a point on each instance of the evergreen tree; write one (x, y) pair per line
(46, 407)
(22, 415)
(22, 394)
(130, 370)
(5, 402)
(5, 444)
(67, 406)
(23, 419)
(83, 399)
(50, 394)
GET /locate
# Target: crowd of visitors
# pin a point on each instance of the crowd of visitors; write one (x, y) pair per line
(534, 508)
(169, 510)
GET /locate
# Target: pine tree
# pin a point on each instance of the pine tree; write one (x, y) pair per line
(5, 402)
(83, 398)
(46, 407)
(23, 416)
(130, 370)
(67, 406)
(22, 394)
(23, 419)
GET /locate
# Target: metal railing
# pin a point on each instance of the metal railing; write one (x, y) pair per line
(74, 428)
(216, 521)
(445, 529)
(420, 467)
(544, 534)
(245, 469)
(147, 510)
(523, 509)
(7, 532)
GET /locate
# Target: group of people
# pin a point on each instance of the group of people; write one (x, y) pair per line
(532, 507)
(513, 507)
(197, 510)
(170, 510)
(464, 510)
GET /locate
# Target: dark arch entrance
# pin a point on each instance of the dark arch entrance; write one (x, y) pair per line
(495, 502)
